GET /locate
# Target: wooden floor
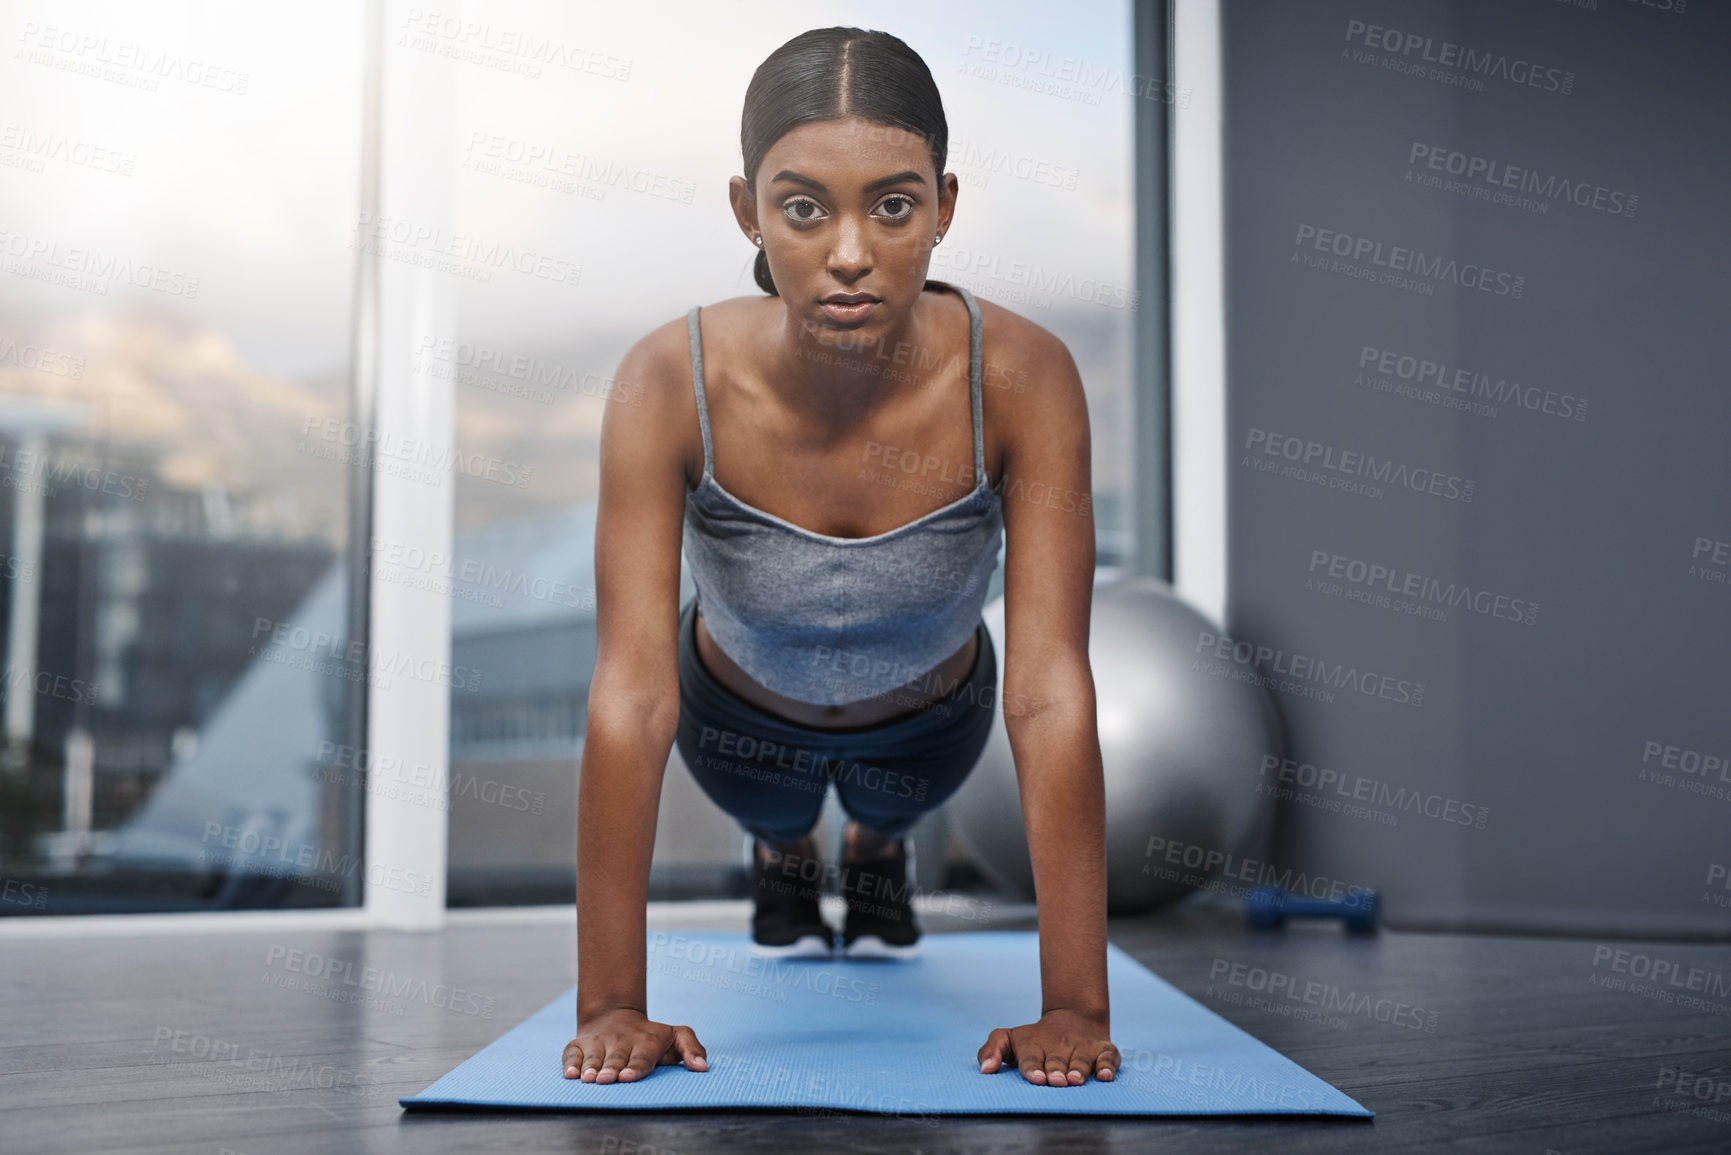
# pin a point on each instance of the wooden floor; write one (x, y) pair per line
(201, 1043)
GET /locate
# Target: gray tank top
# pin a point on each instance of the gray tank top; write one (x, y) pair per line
(830, 620)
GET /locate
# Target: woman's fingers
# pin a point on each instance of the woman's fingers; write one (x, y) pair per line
(689, 1049)
(625, 1060)
(617, 1057)
(628, 1053)
(996, 1051)
(643, 1060)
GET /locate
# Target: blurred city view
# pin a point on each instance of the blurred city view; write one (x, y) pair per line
(178, 442)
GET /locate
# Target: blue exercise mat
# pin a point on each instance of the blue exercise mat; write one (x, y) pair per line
(893, 1037)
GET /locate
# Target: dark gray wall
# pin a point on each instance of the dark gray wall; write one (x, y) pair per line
(1574, 701)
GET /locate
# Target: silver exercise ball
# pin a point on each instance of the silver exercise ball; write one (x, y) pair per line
(1183, 752)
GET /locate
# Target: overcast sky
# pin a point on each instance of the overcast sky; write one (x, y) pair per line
(253, 192)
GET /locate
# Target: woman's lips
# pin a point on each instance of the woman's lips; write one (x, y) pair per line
(841, 312)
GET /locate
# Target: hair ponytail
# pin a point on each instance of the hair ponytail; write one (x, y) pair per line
(760, 274)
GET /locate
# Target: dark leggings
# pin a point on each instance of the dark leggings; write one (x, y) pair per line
(772, 775)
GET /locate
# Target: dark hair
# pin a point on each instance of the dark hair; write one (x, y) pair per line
(832, 74)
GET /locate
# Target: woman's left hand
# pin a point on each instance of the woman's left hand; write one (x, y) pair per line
(1058, 1051)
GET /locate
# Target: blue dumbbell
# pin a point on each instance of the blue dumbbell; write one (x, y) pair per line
(1267, 907)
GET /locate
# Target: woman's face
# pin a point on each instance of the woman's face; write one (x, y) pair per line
(847, 207)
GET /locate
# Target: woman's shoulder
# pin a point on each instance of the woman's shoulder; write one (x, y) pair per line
(670, 341)
(667, 347)
(730, 309)
(1016, 350)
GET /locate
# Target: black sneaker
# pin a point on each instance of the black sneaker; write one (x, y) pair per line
(880, 910)
(787, 921)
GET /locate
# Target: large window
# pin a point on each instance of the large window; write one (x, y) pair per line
(197, 285)
(178, 186)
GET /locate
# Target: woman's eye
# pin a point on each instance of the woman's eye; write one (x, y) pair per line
(906, 202)
(795, 209)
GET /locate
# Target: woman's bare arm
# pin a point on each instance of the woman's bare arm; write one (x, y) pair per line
(633, 707)
(1049, 711)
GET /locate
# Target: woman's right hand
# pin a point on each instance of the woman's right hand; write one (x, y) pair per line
(623, 1045)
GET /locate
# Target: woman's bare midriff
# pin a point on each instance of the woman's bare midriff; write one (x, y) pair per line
(907, 699)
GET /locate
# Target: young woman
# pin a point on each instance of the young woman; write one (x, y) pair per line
(839, 461)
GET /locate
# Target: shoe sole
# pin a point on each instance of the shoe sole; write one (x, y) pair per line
(805, 946)
(870, 946)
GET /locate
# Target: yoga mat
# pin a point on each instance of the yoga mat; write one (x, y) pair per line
(892, 1037)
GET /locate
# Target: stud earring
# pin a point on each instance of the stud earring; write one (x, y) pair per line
(938, 240)
(757, 240)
